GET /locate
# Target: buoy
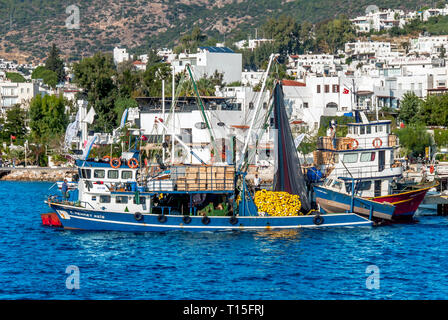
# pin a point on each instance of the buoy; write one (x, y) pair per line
(115, 163)
(186, 219)
(205, 220)
(318, 220)
(377, 143)
(51, 219)
(133, 163)
(138, 216)
(233, 220)
(354, 144)
(162, 218)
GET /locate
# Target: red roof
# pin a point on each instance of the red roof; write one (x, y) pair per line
(292, 83)
(138, 62)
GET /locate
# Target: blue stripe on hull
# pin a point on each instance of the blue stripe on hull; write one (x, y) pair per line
(111, 221)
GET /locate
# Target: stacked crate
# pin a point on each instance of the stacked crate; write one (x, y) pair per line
(207, 178)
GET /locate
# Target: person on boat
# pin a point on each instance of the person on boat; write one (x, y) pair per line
(257, 183)
(64, 190)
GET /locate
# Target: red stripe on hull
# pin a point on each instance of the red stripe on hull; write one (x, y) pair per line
(405, 203)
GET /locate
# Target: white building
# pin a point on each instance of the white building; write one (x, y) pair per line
(120, 55)
(12, 93)
(209, 60)
(373, 48)
(429, 45)
(251, 44)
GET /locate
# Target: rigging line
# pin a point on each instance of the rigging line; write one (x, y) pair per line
(202, 108)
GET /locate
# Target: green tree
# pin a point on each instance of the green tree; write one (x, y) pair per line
(15, 124)
(95, 75)
(409, 108)
(48, 119)
(55, 64)
(15, 77)
(414, 138)
(49, 77)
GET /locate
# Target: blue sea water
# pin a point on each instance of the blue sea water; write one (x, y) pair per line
(412, 260)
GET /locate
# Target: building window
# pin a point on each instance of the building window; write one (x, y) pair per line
(305, 105)
(251, 105)
(335, 88)
(327, 88)
(318, 88)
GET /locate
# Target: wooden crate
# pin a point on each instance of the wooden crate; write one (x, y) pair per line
(181, 184)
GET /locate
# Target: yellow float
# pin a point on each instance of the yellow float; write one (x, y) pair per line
(277, 204)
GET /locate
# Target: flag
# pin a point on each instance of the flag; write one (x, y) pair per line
(90, 116)
(346, 91)
(144, 138)
(124, 117)
(13, 137)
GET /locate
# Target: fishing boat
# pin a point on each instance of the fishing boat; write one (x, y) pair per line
(124, 195)
(361, 166)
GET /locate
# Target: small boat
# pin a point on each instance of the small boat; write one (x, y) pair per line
(361, 165)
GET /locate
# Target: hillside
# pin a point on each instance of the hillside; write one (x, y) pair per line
(29, 27)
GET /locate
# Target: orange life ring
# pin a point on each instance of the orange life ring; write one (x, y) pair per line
(115, 163)
(133, 163)
(354, 144)
(377, 143)
(106, 158)
(431, 169)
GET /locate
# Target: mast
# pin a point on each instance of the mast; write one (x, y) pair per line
(246, 143)
(204, 116)
(163, 117)
(173, 93)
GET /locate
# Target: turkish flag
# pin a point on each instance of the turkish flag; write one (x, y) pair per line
(144, 138)
(346, 91)
(13, 137)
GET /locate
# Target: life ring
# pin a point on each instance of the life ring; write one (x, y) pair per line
(377, 143)
(138, 216)
(233, 220)
(162, 218)
(318, 220)
(133, 163)
(186, 219)
(106, 158)
(205, 220)
(354, 144)
(115, 163)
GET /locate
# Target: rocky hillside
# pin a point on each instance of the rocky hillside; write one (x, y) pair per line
(29, 27)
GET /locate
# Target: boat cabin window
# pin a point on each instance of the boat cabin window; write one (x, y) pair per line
(125, 175)
(350, 158)
(369, 129)
(359, 186)
(142, 200)
(121, 199)
(388, 128)
(367, 156)
(112, 174)
(104, 199)
(363, 130)
(100, 174)
(328, 183)
(380, 128)
(84, 173)
(337, 184)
